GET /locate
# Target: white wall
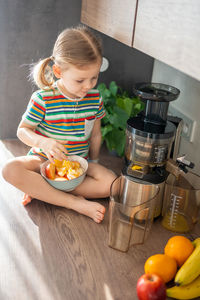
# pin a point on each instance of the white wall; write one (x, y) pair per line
(188, 103)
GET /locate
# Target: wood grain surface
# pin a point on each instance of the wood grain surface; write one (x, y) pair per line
(114, 18)
(48, 252)
(169, 31)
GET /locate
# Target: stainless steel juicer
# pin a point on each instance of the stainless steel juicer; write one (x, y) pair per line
(150, 138)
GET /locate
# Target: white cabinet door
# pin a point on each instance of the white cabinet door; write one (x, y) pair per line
(114, 18)
(170, 32)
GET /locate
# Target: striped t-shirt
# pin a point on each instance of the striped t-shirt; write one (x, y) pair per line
(64, 119)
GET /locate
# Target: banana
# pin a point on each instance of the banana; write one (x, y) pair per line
(191, 268)
(189, 291)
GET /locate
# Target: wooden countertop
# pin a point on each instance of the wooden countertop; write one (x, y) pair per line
(48, 252)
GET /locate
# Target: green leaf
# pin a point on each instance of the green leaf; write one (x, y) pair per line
(138, 107)
(121, 143)
(119, 106)
(115, 140)
(125, 104)
(113, 119)
(101, 87)
(107, 93)
(105, 120)
(121, 117)
(113, 88)
(106, 129)
(109, 103)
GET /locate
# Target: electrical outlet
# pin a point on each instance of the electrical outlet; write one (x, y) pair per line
(188, 124)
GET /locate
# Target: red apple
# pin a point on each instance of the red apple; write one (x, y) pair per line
(151, 287)
(50, 171)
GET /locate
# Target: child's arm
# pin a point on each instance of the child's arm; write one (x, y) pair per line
(52, 148)
(95, 141)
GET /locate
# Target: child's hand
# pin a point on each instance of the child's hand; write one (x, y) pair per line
(54, 149)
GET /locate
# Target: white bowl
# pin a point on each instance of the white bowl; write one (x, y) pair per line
(66, 185)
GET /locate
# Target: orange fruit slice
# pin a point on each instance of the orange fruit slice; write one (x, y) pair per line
(61, 171)
(58, 163)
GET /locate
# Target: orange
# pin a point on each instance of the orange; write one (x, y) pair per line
(179, 248)
(161, 265)
(67, 164)
(58, 163)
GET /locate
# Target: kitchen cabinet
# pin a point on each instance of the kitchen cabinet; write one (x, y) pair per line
(114, 18)
(170, 32)
(166, 30)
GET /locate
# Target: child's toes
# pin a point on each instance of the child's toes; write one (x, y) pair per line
(26, 199)
(97, 220)
(102, 209)
(100, 215)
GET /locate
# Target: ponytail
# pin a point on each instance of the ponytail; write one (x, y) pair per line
(43, 75)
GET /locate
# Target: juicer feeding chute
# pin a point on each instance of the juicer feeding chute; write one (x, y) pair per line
(156, 97)
(149, 136)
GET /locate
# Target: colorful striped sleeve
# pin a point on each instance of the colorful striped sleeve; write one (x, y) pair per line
(101, 111)
(35, 111)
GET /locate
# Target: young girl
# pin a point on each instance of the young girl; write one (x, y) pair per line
(63, 118)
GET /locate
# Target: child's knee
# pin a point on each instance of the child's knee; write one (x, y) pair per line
(107, 182)
(9, 170)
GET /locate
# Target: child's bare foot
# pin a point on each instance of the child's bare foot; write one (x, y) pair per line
(26, 199)
(91, 209)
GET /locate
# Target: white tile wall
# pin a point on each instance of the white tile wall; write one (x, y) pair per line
(188, 103)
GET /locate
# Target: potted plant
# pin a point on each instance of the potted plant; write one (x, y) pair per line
(119, 107)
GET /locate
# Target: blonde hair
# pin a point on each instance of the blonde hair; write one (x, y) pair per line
(77, 46)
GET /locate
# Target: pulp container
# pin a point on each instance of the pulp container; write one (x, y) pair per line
(131, 212)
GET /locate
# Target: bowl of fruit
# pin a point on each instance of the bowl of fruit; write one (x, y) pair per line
(65, 175)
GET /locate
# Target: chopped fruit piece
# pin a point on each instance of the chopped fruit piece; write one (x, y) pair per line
(58, 163)
(66, 176)
(50, 171)
(60, 178)
(76, 165)
(135, 167)
(67, 164)
(73, 173)
(65, 169)
(61, 171)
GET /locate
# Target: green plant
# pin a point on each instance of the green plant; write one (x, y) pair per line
(119, 107)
